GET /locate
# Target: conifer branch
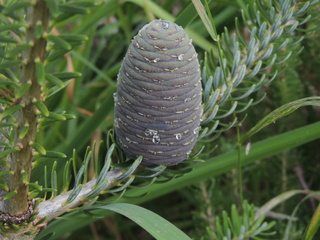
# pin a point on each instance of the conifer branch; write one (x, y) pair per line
(51, 209)
(20, 162)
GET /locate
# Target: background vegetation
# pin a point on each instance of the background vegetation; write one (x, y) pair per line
(276, 170)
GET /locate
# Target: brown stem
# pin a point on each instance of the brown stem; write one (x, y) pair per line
(21, 161)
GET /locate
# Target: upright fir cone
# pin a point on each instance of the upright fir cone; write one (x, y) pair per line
(158, 101)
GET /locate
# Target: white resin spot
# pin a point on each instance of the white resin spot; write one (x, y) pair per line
(156, 139)
(196, 130)
(116, 122)
(150, 132)
(178, 136)
(187, 100)
(165, 25)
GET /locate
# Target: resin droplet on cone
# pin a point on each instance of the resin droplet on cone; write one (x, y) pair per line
(158, 100)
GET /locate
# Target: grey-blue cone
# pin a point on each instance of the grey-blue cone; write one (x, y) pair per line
(158, 100)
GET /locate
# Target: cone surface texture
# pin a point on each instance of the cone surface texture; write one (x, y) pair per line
(158, 100)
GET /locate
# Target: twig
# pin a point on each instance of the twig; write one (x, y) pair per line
(51, 209)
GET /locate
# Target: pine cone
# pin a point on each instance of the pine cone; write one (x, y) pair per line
(158, 100)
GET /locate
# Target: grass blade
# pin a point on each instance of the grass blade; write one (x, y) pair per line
(313, 226)
(157, 226)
